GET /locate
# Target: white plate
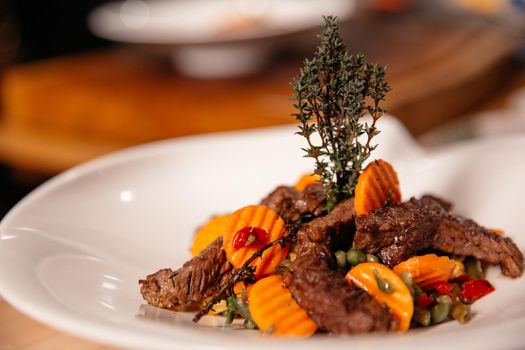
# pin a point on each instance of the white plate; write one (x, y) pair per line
(72, 251)
(188, 22)
(213, 38)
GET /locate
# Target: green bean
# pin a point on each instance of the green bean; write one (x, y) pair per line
(355, 257)
(440, 312)
(445, 299)
(340, 257)
(422, 316)
(416, 290)
(231, 302)
(242, 309)
(407, 278)
(249, 324)
(460, 312)
(229, 317)
(371, 258)
(473, 268)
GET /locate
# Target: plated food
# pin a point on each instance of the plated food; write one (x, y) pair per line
(339, 252)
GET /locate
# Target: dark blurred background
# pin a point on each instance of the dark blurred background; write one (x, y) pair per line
(68, 96)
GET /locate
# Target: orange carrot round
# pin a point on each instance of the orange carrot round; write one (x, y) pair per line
(208, 233)
(249, 229)
(427, 270)
(398, 298)
(306, 180)
(272, 307)
(376, 185)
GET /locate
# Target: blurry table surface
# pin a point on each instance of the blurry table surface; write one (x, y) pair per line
(58, 113)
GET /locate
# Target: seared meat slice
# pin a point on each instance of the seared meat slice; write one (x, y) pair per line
(291, 204)
(188, 287)
(398, 231)
(328, 233)
(461, 236)
(333, 305)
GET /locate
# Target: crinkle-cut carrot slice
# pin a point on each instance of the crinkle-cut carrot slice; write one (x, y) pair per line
(306, 180)
(249, 229)
(428, 269)
(208, 233)
(273, 308)
(399, 299)
(376, 185)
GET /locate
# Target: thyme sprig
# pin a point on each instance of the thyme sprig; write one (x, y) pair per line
(333, 92)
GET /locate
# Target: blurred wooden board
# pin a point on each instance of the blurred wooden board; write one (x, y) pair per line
(20, 333)
(60, 112)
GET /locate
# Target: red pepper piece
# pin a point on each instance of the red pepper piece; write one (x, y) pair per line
(424, 301)
(461, 279)
(474, 289)
(445, 288)
(250, 236)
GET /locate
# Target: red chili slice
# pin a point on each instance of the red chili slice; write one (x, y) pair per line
(249, 236)
(424, 301)
(474, 289)
(445, 288)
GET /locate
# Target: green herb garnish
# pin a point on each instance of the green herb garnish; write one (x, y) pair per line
(333, 92)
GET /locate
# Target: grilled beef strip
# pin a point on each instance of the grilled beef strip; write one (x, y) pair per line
(293, 205)
(200, 278)
(333, 305)
(328, 233)
(398, 231)
(461, 236)
(317, 286)
(188, 287)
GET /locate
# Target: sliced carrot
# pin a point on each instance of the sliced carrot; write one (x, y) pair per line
(272, 307)
(399, 300)
(306, 180)
(249, 229)
(376, 185)
(239, 288)
(208, 233)
(427, 269)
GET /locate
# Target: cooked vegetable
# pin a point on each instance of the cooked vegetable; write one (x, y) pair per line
(460, 312)
(273, 308)
(306, 180)
(459, 269)
(397, 296)
(473, 267)
(424, 300)
(422, 316)
(340, 258)
(474, 289)
(249, 229)
(376, 185)
(440, 311)
(427, 270)
(208, 233)
(355, 257)
(371, 258)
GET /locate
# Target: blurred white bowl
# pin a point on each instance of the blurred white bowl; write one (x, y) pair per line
(212, 38)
